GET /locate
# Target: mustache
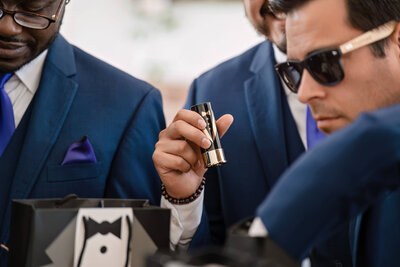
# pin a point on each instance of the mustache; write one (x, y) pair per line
(14, 40)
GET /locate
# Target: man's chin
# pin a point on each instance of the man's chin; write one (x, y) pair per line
(14, 64)
(9, 66)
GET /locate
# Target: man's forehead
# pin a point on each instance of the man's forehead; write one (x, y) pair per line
(317, 25)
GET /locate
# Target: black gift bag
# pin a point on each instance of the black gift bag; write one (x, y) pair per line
(43, 232)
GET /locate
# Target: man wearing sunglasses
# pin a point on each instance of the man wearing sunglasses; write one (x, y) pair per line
(69, 123)
(269, 133)
(344, 60)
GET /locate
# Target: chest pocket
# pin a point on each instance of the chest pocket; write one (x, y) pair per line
(72, 172)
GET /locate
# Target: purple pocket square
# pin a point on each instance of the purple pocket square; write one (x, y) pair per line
(80, 152)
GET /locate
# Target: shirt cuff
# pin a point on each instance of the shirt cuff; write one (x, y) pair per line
(257, 228)
(185, 219)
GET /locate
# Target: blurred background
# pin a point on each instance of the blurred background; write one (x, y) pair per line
(164, 42)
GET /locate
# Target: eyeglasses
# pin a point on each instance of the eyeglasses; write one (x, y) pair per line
(33, 20)
(325, 65)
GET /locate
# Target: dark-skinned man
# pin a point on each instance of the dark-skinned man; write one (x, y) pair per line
(69, 122)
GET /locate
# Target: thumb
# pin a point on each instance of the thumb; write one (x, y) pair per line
(224, 123)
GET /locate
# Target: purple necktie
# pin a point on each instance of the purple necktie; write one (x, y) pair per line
(314, 135)
(7, 124)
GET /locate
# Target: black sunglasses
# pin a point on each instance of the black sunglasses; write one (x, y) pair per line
(325, 65)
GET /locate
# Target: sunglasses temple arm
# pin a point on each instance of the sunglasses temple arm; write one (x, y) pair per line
(369, 37)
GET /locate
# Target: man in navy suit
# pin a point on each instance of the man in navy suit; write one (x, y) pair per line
(81, 126)
(354, 175)
(269, 133)
(248, 88)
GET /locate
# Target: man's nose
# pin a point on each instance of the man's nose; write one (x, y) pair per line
(309, 89)
(8, 27)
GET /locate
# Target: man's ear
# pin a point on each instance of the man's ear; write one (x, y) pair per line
(395, 38)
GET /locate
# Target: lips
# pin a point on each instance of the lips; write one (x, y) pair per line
(325, 118)
(324, 122)
(9, 50)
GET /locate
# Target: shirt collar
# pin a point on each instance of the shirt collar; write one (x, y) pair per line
(30, 73)
(279, 55)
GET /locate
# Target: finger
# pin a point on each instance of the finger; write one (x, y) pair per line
(166, 163)
(180, 129)
(200, 167)
(224, 123)
(199, 156)
(191, 117)
(180, 148)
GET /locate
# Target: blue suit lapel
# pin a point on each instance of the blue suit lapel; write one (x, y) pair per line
(51, 105)
(264, 104)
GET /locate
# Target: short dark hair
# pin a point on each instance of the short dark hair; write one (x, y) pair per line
(362, 14)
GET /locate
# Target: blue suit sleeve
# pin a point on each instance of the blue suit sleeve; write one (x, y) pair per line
(334, 182)
(133, 174)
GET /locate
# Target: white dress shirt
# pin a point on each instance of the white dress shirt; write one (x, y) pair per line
(185, 219)
(23, 85)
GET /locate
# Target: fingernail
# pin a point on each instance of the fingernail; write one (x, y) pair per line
(205, 143)
(201, 123)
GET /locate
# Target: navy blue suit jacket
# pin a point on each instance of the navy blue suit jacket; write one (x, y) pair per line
(80, 95)
(353, 175)
(259, 146)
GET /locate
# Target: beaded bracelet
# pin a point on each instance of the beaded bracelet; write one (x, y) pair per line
(182, 201)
